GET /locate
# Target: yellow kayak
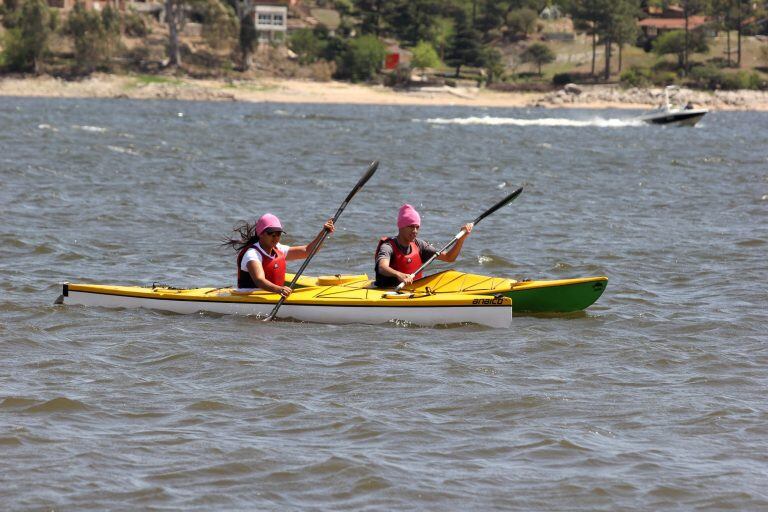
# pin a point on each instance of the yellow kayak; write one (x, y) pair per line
(311, 303)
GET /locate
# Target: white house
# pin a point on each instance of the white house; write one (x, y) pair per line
(271, 21)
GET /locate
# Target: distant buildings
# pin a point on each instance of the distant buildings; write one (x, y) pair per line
(271, 20)
(88, 4)
(665, 20)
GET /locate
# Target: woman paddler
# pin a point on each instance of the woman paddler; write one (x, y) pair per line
(397, 258)
(261, 257)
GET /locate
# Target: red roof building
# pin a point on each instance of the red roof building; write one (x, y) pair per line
(666, 20)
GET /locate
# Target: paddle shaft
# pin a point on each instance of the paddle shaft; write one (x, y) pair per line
(362, 181)
(461, 233)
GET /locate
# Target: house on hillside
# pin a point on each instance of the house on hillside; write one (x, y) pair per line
(271, 20)
(551, 12)
(662, 20)
(98, 5)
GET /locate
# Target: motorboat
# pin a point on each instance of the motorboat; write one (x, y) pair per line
(667, 113)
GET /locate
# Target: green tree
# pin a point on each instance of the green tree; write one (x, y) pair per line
(723, 11)
(538, 54)
(674, 42)
(617, 24)
(247, 35)
(412, 20)
(96, 36)
(744, 9)
(371, 14)
(590, 14)
(25, 45)
(440, 34)
(494, 64)
(522, 22)
(307, 45)
(425, 56)
(362, 58)
(464, 48)
(220, 26)
(690, 7)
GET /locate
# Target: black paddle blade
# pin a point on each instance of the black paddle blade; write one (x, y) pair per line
(362, 181)
(500, 204)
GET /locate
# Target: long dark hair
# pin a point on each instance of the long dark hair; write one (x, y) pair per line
(247, 233)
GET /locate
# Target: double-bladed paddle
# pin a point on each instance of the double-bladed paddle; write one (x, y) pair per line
(461, 233)
(371, 169)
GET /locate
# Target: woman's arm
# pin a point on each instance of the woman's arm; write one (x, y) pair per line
(257, 274)
(302, 251)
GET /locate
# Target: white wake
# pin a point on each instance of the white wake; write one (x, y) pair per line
(544, 121)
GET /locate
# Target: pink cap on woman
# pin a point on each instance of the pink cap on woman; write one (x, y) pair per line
(408, 216)
(267, 221)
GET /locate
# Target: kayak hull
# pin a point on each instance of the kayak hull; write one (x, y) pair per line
(327, 304)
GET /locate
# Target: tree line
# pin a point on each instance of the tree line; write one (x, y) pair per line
(454, 33)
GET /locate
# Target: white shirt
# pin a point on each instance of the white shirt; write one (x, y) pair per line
(253, 254)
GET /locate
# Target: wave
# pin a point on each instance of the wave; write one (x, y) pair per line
(60, 404)
(543, 121)
(86, 128)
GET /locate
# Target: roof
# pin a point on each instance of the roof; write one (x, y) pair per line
(673, 23)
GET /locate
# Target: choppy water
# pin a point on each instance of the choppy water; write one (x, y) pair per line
(654, 399)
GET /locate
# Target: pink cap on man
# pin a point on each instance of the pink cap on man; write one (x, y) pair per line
(268, 221)
(408, 216)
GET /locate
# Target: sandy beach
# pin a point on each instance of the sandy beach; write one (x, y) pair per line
(300, 91)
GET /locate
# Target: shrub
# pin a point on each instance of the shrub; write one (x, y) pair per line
(708, 76)
(538, 54)
(322, 70)
(522, 22)
(135, 25)
(494, 65)
(663, 78)
(96, 37)
(635, 77)
(562, 79)
(25, 45)
(219, 24)
(362, 58)
(306, 45)
(425, 56)
(740, 80)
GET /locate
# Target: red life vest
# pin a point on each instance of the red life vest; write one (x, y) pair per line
(274, 267)
(405, 263)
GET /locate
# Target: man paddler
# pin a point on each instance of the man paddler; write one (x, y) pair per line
(261, 257)
(397, 258)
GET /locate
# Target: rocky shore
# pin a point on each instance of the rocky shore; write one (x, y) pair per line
(300, 91)
(584, 96)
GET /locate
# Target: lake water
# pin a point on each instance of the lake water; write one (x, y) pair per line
(652, 399)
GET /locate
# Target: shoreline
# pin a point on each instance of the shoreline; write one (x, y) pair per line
(274, 90)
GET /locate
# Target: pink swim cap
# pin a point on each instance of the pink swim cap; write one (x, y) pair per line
(267, 221)
(407, 216)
